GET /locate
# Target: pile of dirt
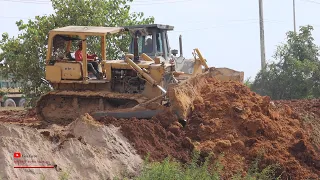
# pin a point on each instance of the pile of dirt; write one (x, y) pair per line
(222, 118)
(84, 149)
(302, 106)
(18, 116)
(156, 138)
(232, 120)
(226, 117)
(307, 111)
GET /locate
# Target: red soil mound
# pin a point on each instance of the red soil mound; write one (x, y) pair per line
(242, 124)
(18, 116)
(308, 112)
(228, 118)
(153, 138)
(303, 106)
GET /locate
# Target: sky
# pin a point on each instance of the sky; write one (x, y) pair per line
(225, 31)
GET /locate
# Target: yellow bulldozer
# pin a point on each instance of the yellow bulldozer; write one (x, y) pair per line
(136, 85)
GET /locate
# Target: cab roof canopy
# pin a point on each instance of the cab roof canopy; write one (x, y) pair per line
(87, 30)
(151, 26)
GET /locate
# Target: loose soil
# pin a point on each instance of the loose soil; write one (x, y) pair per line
(19, 117)
(308, 112)
(227, 118)
(85, 149)
(156, 138)
(241, 124)
(222, 118)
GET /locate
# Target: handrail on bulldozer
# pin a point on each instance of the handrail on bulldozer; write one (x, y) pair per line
(202, 60)
(143, 73)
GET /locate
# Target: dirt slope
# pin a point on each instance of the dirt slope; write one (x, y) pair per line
(308, 112)
(21, 117)
(83, 150)
(242, 124)
(160, 137)
(228, 118)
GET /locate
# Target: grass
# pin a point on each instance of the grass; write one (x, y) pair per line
(312, 120)
(43, 177)
(248, 82)
(64, 176)
(267, 173)
(170, 169)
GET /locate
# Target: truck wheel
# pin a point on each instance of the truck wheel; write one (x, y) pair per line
(22, 102)
(9, 103)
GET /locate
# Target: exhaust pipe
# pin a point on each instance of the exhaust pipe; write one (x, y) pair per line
(180, 46)
(135, 47)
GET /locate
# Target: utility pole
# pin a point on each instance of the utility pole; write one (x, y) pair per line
(262, 46)
(294, 15)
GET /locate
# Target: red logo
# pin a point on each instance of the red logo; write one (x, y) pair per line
(17, 155)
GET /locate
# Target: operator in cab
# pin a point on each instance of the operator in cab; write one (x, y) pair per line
(148, 46)
(92, 65)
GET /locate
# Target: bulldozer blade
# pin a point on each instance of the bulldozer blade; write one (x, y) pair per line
(226, 74)
(141, 114)
(183, 95)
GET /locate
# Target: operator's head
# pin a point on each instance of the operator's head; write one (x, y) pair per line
(80, 45)
(149, 41)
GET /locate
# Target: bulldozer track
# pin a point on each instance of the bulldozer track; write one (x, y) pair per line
(61, 106)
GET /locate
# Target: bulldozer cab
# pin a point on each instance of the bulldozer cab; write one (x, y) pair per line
(153, 40)
(150, 39)
(61, 65)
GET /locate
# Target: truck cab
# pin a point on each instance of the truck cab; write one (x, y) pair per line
(10, 95)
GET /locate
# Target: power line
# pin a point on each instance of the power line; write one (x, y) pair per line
(12, 17)
(247, 21)
(311, 1)
(133, 3)
(163, 2)
(224, 25)
(207, 28)
(185, 22)
(148, 1)
(28, 1)
(231, 22)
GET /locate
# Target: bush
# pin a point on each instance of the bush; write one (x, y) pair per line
(170, 169)
(2, 93)
(295, 72)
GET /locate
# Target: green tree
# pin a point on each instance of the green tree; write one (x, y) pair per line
(25, 54)
(296, 72)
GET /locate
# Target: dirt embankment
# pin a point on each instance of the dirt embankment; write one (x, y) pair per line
(308, 112)
(228, 118)
(241, 124)
(21, 117)
(84, 149)
(159, 137)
